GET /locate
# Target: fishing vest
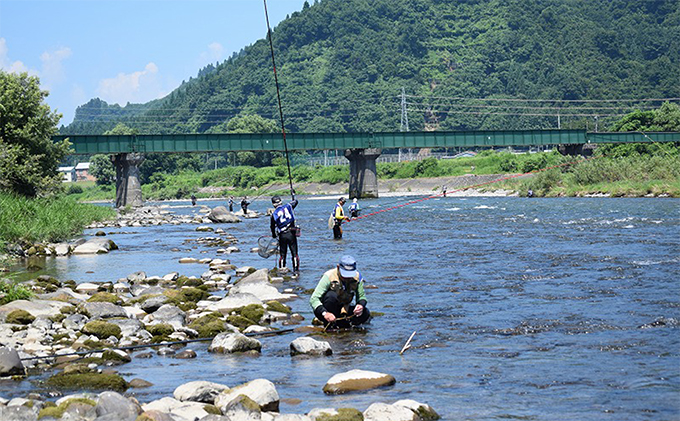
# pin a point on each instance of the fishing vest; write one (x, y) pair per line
(345, 295)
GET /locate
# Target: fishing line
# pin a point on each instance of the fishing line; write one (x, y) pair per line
(133, 347)
(473, 186)
(278, 96)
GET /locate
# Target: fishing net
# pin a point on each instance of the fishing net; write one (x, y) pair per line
(267, 246)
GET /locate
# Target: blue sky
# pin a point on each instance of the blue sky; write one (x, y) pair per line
(125, 50)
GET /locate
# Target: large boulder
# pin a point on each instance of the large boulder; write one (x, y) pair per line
(199, 391)
(116, 406)
(228, 342)
(97, 245)
(354, 380)
(309, 346)
(242, 408)
(221, 214)
(257, 284)
(262, 391)
(10, 363)
(18, 413)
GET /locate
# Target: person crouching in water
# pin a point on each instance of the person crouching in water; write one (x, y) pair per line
(332, 298)
(282, 223)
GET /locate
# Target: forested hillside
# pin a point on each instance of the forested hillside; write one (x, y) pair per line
(343, 64)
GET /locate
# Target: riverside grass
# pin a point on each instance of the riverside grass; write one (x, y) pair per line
(634, 175)
(24, 220)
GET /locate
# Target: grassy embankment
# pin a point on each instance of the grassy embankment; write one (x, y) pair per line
(615, 174)
(24, 221)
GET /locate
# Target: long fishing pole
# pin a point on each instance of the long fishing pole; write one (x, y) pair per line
(278, 97)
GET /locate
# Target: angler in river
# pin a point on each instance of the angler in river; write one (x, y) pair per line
(338, 217)
(282, 224)
(332, 298)
(354, 209)
(244, 205)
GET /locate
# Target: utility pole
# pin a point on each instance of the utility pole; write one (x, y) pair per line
(404, 116)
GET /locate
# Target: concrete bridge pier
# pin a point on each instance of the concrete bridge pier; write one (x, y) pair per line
(128, 186)
(363, 177)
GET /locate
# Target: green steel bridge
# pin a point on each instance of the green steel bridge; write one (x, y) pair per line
(361, 149)
(173, 143)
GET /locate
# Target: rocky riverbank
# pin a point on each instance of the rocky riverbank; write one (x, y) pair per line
(82, 333)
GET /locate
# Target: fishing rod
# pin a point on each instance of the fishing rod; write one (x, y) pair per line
(278, 97)
(133, 347)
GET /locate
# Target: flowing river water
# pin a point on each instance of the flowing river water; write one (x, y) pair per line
(536, 309)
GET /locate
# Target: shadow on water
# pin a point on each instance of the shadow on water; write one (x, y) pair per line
(541, 309)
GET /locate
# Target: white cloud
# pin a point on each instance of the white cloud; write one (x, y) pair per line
(137, 87)
(215, 53)
(52, 69)
(12, 66)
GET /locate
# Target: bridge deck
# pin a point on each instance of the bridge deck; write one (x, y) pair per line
(112, 144)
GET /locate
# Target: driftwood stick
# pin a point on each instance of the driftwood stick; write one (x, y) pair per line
(407, 345)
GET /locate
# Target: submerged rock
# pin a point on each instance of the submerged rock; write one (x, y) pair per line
(220, 214)
(384, 412)
(309, 346)
(227, 342)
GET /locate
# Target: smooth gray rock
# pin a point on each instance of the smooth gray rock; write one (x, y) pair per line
(384, 412)
(241, 408)
(231, 302)
(112, 403)
(128, 327)
(221, 214)
(228, 342)
(199, 391)
(10, 363)
(17, 413)
(103, 310)
(169, 314)
(262, 391)
(355, 380)
(309, 346)
(96, 246)
(153, 303)
(35, 307)
(75, 321)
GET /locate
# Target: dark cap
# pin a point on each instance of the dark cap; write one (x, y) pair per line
(342, 199)
(276, 200)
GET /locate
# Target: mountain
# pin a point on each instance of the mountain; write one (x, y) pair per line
(463, 64)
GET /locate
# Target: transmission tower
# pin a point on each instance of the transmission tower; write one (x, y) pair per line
(404, 111)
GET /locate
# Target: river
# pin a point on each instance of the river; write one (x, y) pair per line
(535, 309)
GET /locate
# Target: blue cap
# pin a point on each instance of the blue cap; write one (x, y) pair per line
(348, 267)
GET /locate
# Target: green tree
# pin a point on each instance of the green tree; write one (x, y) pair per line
(28, 157)
(102, 169)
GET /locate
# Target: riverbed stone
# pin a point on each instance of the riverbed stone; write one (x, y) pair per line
(355, 380)
(230, 302)
(17, 413)
(228, 342)
(153, 415)
(10, 363)
(96, 246)
(128, 327)
(188, 260)
(116, 406)
(310, 346)
(139, 276)
(261, 391)
(152, 304)
(199, 391)
(168, 314)
(103, 310)
(221, 215)
(384, 412)
(35, 307)
(424, 411)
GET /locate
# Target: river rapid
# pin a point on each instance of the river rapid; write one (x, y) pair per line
(535, 309)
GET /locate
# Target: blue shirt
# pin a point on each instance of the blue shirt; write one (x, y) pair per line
(283, 216)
